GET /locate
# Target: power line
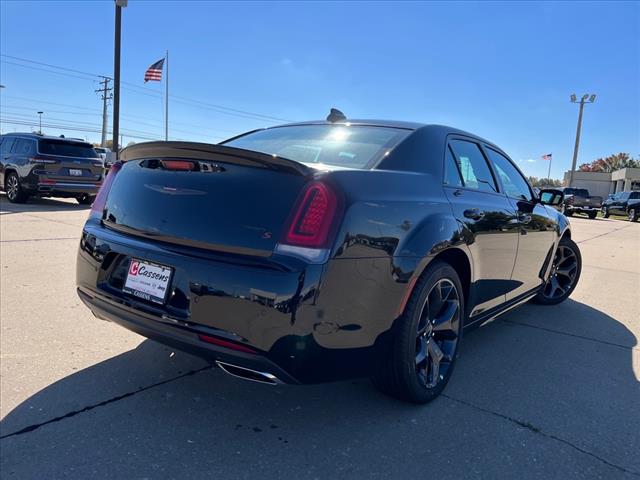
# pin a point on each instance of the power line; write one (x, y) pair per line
(181, 99)
(52, 66)
(74, 128)
(97, 112)
(46, 70)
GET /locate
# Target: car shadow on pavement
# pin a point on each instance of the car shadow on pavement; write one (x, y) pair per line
(36, 204)
(537, 371)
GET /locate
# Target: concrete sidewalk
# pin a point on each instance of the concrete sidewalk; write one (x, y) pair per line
(542, 392)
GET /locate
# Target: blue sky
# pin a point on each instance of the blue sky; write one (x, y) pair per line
(502, 70)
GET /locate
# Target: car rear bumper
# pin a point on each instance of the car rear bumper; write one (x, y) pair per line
(63, 189)
(585, 208)
(181, 338)
(307, 323)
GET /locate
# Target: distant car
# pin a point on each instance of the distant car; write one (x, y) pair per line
(44, 166)
(578, 200)
(322, 251)
(623, 203)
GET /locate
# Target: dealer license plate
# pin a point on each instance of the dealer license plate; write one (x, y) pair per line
(75, 172)
(147, 280)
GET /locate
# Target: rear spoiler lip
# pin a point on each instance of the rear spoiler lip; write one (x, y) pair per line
(209, 151)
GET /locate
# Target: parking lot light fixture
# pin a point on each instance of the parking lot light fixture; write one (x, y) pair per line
(586, 98)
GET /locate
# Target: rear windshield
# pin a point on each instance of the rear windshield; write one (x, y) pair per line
(66, 149)
(346, 146)
(580, 192)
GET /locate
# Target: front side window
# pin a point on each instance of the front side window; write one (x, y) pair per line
(513, 182)
(473, 166)
(354, 146)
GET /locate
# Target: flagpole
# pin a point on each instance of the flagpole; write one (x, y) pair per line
(549, 172)
(166, 100)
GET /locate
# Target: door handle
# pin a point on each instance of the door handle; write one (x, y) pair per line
(473, 214)
(457, 193)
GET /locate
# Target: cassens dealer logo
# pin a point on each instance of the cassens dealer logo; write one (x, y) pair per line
(133, 268)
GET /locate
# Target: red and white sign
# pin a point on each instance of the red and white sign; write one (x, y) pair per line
(147, 280)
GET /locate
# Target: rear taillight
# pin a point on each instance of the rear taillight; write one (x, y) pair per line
(101, 199)
(313, 218)
(309, 233)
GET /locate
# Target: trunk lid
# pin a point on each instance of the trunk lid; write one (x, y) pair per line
(229, 199)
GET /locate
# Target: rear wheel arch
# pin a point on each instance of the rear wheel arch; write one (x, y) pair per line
(458, 259)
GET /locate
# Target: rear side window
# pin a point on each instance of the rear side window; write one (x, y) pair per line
(66, 149)
(5, 147)
(25, 147)
(473, 166)
(513, 182)
(451, 170)
(634, 195)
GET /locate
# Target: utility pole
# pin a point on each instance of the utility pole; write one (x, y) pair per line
(586, 98)
(106, 96)
(116, 74)
(40, 129)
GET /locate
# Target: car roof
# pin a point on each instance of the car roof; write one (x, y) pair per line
(37, 136)
(440, 131)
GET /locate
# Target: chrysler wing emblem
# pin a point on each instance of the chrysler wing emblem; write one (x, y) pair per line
(174, 190)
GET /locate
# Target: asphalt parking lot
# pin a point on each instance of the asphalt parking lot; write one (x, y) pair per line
(542, 392)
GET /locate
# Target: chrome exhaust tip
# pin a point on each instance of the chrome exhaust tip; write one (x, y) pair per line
(248, 374)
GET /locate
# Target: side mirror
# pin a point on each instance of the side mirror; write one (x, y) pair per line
(551, 197)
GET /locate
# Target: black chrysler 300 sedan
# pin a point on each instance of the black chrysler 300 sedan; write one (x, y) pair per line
(322, 251)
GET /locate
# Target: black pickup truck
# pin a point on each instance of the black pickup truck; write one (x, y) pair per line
(623, 203)
(578, 200)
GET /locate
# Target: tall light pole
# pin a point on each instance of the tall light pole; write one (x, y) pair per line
(586, 98)
(120, 4)
(40, 121)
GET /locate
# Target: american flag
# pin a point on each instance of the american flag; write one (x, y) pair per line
(547, 156)
(154, 72)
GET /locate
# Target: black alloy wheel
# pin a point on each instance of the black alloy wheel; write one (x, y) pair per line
(633, 215)
(605, 212)
(437, 333)
(423, 353)
(564, 275)
(13, 189)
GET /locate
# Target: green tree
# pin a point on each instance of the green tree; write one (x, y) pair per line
(543, 182)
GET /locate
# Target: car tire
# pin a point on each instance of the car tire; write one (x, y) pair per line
(424, 348)
(566, 212)
(633, 215)
(592, 215)
(564, 275)
(605, 212)
(13, 189)
(85, 199)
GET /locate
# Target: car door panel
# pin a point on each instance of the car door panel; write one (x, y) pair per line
(488, 221)
(537, 226)
(493, 241)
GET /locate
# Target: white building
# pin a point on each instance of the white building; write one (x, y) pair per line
(603, 184)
